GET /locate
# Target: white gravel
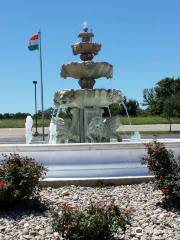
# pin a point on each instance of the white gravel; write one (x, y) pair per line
(149, 220)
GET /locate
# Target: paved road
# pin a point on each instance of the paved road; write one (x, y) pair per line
(150, 127)
(17, 135)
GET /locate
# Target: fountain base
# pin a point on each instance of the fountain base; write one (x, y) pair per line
(89, 160)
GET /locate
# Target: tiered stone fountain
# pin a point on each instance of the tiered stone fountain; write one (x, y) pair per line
(86, 104)
(86, 158)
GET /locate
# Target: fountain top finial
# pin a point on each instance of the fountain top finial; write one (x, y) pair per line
(85, 26)
(85, 35)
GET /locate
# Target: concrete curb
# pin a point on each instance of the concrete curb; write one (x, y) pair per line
(92, 182)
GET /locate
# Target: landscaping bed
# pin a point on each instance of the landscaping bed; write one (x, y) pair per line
(147, 211)
(150, 219)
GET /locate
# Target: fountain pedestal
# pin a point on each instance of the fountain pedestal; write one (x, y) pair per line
(86, 83)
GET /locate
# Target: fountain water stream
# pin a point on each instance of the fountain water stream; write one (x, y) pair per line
(125, 108)
(28, 127)
(109, 112)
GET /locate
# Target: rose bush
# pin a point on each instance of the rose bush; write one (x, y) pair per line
(166, 169)
(19, 178)
(98, 221)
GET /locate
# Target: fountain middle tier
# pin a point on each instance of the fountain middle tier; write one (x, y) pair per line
(87, 69)
(81, 98)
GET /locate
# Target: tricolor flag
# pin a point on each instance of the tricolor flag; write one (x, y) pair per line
(34, 42)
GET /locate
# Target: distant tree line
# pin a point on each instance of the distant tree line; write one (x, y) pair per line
(17, 115)
(131, 105)
(47, 114)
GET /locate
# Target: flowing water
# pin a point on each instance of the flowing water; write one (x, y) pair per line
(125, 108)
(110, 115)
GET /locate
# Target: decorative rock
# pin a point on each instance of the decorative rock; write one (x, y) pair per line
(144, 225)
(27, 237)
(33, 233)
(25, 231)
(75, 197)
(42, 232)
(37, 228)
(65, 193)
(49, 230)
(155, 222)
(56, 234)
(26, 225)
(2, 228)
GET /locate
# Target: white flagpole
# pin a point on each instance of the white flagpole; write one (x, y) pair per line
(42, 102)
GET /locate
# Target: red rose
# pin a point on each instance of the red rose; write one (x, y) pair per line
(2, 184)
(164, 190)
(101, 205)
(157, 149)
(66, 222)
(161, 178)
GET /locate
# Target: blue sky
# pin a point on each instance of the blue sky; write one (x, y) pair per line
(140, 38)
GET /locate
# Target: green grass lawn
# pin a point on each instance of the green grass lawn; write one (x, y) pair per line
(20, 123)
(148, 120)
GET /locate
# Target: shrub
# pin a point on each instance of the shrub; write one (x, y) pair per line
(98, 221)
(162, 163)
(19, 177)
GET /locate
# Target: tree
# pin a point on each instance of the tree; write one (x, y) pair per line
(168, 111)
(8, 115)
(20, 115)
(171, 108)
(154, 98)
(47, 113)
(148, 95)
(116, 109)
(132, 107)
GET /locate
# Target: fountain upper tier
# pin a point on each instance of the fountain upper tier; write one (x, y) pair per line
(86, 49)
(87, 70)
(83, 98)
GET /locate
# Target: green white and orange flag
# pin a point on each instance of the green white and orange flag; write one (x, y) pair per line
(34, 42)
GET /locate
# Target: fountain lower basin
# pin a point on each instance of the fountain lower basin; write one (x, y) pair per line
(89, 160)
